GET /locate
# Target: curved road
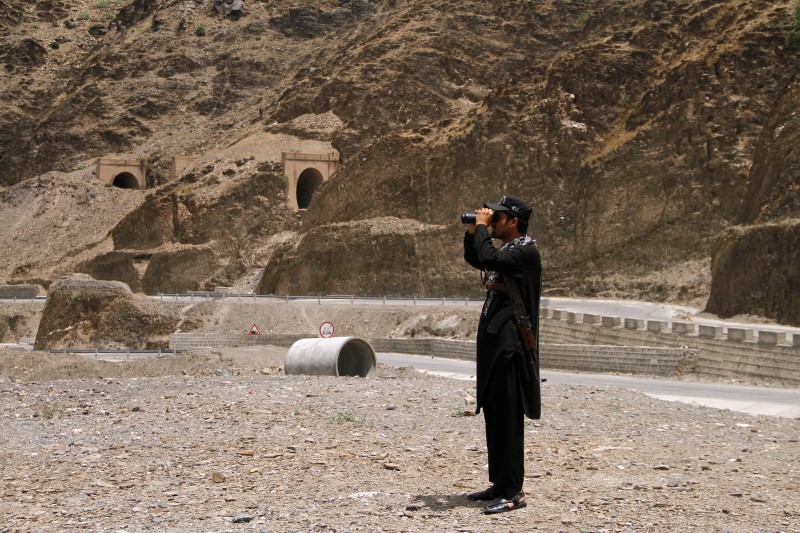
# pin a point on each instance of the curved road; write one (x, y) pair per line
(753, 400)
(746, 399)
(621, 308)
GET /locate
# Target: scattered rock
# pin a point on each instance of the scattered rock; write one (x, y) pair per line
(242, 518)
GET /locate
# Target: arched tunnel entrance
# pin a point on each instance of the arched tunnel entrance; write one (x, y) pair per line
(305, 172)
(125, 180)
(307, 183)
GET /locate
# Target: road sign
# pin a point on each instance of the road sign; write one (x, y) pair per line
(326, 330)
(254, 331)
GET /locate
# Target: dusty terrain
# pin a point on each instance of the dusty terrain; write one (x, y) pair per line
(226, 442)
(641, 130)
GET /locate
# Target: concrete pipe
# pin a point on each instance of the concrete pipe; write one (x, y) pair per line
(335, 356)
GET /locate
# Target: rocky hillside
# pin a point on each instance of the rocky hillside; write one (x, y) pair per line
(756, 265)
(636, 129)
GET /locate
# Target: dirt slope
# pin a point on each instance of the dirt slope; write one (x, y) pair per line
(636, 129)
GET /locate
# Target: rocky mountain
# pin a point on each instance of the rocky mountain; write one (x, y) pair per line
(640, 131)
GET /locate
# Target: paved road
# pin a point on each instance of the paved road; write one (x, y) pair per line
(621, 308)
(752, 400)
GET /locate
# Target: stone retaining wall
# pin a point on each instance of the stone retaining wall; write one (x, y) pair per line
(718, 356)
(196, 341)
(761, 335)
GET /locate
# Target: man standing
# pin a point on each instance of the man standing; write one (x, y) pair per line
(507, 374)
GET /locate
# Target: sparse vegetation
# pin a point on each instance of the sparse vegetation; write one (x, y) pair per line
(793, 39)
(52, 410)
(458, 412)
(200, 31)
(84, 15)
(80, 166)
(346, 417)
(102, 4)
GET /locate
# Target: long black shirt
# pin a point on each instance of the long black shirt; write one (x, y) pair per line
(500, 348)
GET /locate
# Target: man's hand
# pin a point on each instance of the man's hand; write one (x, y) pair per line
(482, 216)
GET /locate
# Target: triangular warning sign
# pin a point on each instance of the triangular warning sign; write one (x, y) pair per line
(254, 330)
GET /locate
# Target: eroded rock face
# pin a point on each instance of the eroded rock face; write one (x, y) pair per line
(54, 222)
(117, 266)
(190, 235)
(374, 257)
(180, 269)
(756, 270)
(82, 312)
(774, 189)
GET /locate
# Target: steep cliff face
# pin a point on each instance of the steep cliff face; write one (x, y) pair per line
(774, 189)
(631, 127)
(635, 128)
(145, 78)
(756, 265)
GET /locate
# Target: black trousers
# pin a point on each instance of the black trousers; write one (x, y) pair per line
(505, 434)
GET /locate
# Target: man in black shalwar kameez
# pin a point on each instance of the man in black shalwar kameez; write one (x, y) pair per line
(507, 379)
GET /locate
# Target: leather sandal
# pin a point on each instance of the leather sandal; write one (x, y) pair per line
(503, 505)
(484, 495)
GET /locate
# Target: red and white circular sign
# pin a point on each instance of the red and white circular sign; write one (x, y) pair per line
(326, 330)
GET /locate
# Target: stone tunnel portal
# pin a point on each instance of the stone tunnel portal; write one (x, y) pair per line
(308, 182)
(126, 180)
(305, 172)
(122, 173)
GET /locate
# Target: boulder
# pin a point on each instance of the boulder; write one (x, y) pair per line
(82, 312)
(756, 270)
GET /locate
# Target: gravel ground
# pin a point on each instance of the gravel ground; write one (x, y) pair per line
(226, 442)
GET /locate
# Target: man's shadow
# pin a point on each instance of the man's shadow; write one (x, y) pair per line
(440, 502)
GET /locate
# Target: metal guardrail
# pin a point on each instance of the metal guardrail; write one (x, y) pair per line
(17, 299)
(384, 300)
(97, 352)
